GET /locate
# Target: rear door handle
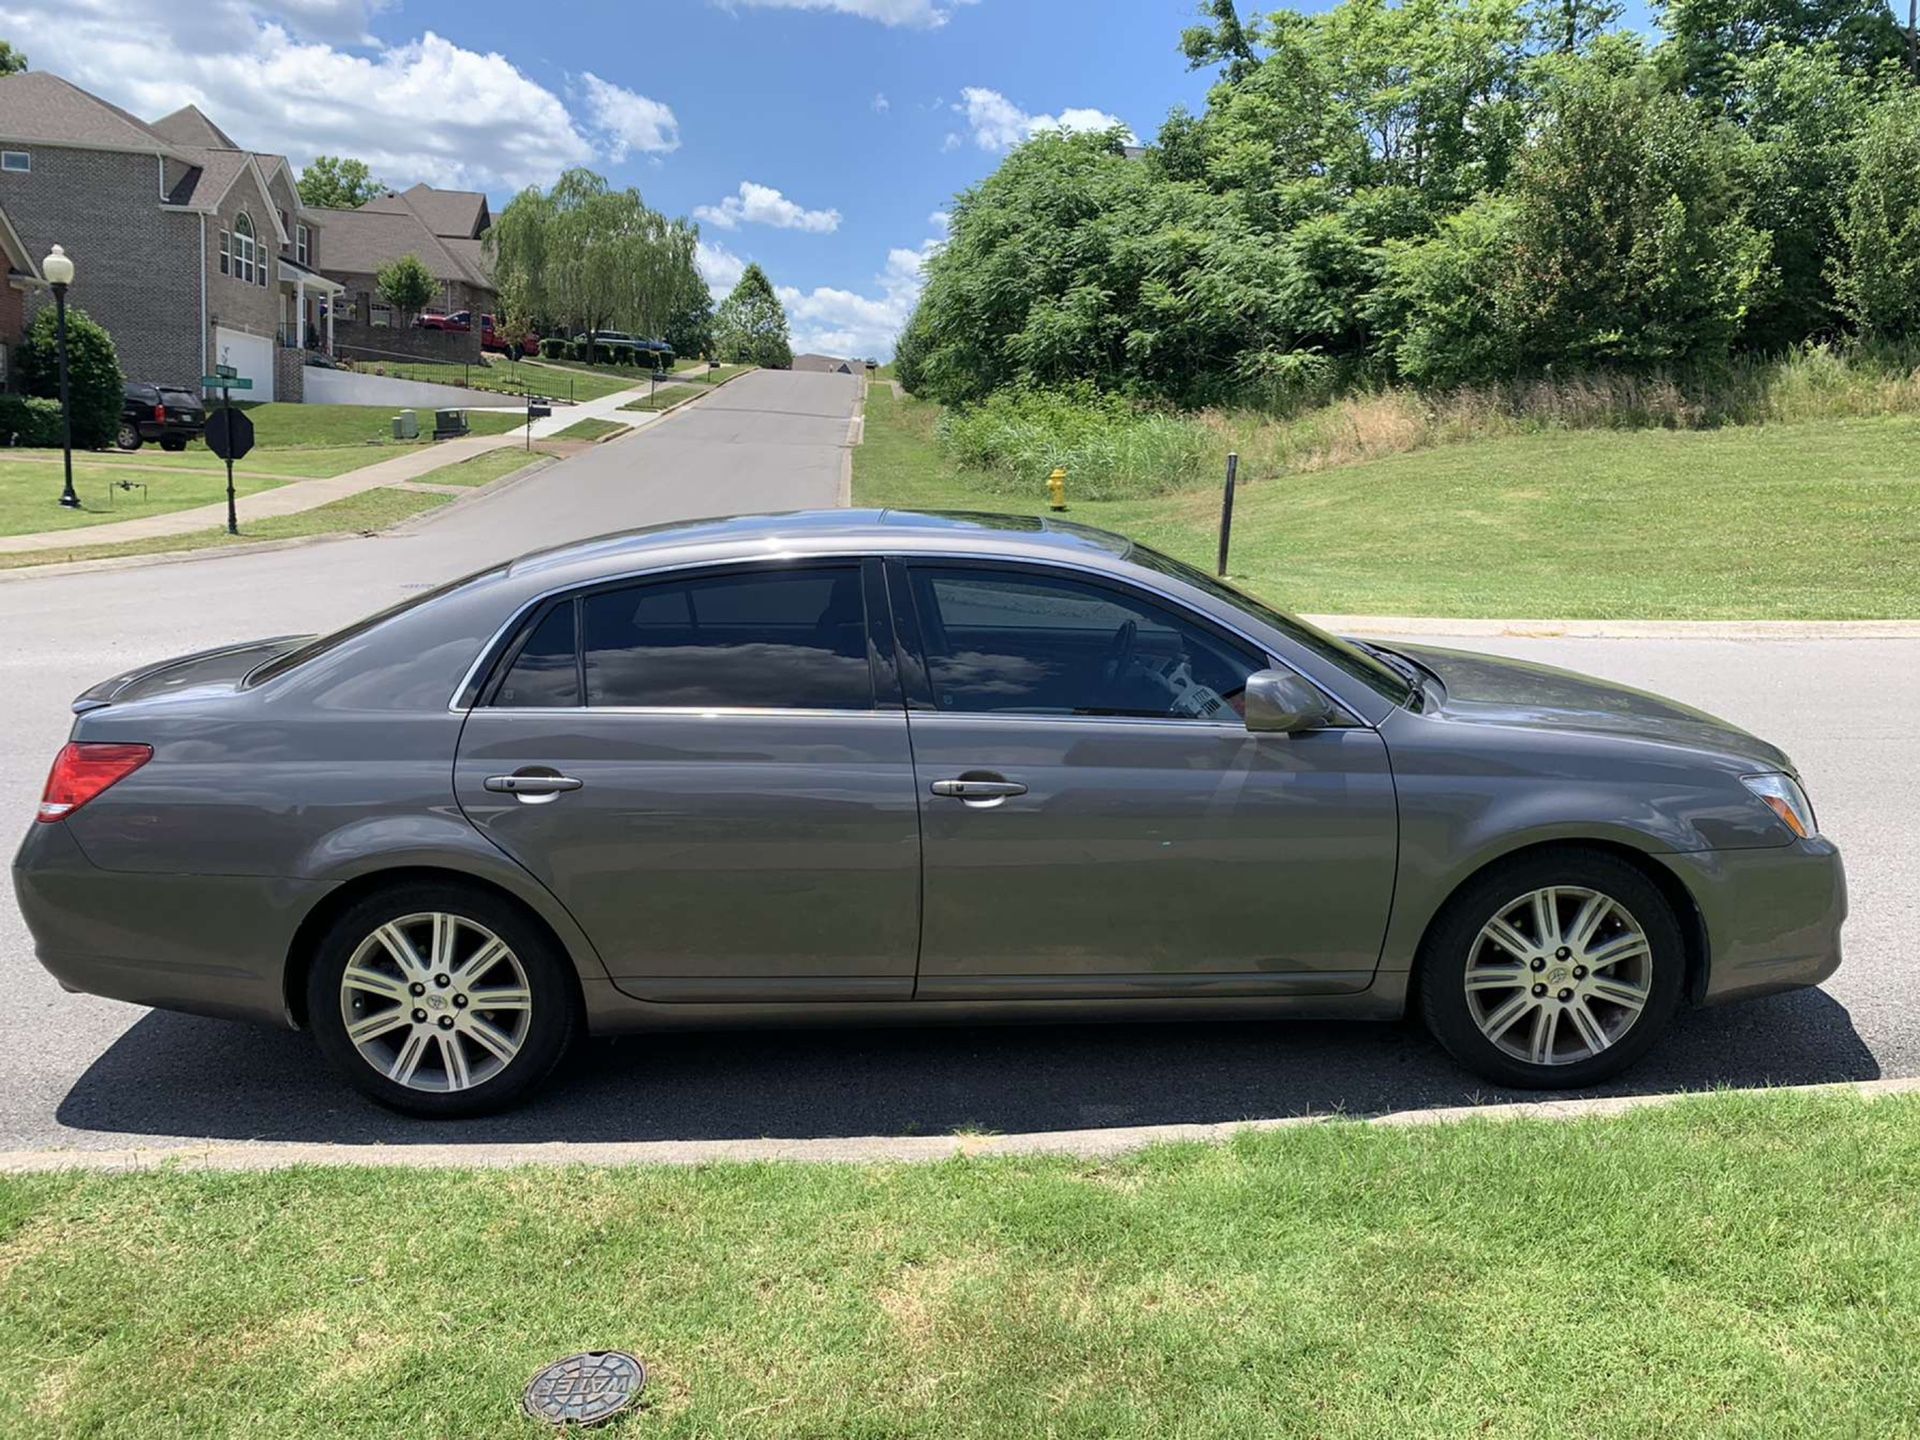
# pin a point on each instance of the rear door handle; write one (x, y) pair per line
(532, 789)
(978, 789)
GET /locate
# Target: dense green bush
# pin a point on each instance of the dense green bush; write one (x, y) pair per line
(95, 383)
(1111, 449)
(1878, 270)
(553, 348)
(29, 420)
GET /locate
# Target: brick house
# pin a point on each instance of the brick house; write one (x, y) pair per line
(446, 229)
(190, 250)
(19, 275)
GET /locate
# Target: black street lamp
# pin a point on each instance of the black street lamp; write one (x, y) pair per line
(59, 272)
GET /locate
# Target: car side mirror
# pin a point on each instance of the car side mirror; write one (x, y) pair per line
(1279, 702)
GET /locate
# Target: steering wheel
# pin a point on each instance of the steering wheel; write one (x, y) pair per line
(1120, 652)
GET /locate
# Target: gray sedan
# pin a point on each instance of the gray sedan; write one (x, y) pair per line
(863, 767)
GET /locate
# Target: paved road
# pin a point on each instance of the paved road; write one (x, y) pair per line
(83, 1072)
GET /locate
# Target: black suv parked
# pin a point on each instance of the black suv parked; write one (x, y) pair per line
(160, 412)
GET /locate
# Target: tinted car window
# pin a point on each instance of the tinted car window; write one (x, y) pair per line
(1042, 644)
(765, 639)
(546, 672)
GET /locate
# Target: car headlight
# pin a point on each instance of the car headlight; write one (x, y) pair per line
(1782, 794)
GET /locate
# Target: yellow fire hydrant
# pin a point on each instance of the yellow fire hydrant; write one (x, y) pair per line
(1057, 488)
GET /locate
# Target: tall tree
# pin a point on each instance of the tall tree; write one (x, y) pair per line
(1709, 40)
(12, 61)
(1221, 41)
(750, 326)
(332, 182)
(406, 284)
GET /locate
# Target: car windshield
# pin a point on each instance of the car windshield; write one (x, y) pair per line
(321, 644)
(1374, 673)
(183, 399)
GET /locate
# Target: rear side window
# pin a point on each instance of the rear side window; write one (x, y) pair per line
(765, 639)
(546, 672)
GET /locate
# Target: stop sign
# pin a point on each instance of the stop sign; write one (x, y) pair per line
(229, 433)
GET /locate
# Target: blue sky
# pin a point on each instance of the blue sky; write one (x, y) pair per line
(850, 123)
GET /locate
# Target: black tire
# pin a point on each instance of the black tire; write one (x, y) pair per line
(128, 437)
(173, 443)
(1450, 942)
(553, 1019)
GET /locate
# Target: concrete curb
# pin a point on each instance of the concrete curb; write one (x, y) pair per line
(1412, 625)
(1084, 1144)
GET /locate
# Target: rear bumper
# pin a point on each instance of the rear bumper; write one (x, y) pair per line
(205, 944)
(1772, 916)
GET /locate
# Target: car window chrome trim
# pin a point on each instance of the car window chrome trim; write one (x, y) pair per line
(696, 712)
(490, 651)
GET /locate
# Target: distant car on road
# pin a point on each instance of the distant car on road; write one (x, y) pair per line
(492, 337)
(167, 413)
(863, 766)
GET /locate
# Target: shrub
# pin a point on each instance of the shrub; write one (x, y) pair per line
(93, 374)
(554, 349)
(1110, 448)
(29, 420)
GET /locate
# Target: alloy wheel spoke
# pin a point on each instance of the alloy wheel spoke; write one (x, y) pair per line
(408, 1060)
(374, 1026)
(501, 997)
(1546, 917)
(493, 1039)
(1618, 992)
(374, 982)
(1509, 939)
(401, 949)
(1593, 914)
(1630, 946)
(453, 1057)
(1590, 1029)
(481, 961)
(445, 931)
(1546, 1025)
(1501, 1020)
(1496, 977)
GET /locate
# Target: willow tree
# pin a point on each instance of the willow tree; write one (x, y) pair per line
(590, 258)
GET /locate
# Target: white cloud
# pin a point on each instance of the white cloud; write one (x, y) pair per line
(941, 221)
(719, 267)
(427, 109)
(830, 321)
(880, 103)
(998, 124)
(922, 14)
(763, 205)
(628, 121)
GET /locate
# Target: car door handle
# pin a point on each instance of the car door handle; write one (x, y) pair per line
(978, 789)
(532, 787)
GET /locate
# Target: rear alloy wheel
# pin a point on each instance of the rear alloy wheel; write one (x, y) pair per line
(1559, 971)
(439, 1001)
(128, 437)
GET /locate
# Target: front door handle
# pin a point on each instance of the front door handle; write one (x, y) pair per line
(976, 792)
(532, 789)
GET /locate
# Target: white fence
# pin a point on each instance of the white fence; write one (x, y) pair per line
(349, 387)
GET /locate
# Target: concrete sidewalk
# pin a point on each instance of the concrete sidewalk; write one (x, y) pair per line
(298, 495)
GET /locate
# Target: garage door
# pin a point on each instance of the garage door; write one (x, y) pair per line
(251, 355)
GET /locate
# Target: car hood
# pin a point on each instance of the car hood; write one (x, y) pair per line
(1493, 690)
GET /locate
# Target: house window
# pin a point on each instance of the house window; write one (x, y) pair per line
(226, 252)
(380, 313)
(243, 248)
(18, 161)
(303, 245)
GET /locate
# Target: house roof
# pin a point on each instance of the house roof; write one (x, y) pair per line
(450, 214)
(41, 108)
(14, 255)
(189, 126)
(361, 241)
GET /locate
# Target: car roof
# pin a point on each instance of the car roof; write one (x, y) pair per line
(821, 531)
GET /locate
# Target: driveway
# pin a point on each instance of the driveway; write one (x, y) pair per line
(76, 1071)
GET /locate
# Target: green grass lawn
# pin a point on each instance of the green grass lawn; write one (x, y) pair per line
(482, 469)
(1812, 520)
(364, 513)
(1723, 1267)
(593, 428)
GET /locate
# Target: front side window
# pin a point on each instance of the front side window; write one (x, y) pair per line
(243, 248)
(303, 245)
(762, 639)
(18, 161)
(1002, 641)
(226, 252)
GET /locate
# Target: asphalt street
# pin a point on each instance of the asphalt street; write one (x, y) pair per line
(81, 1072)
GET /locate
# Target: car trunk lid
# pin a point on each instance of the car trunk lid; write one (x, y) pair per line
(223, 668)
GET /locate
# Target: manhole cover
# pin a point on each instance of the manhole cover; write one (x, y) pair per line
(585, 1389)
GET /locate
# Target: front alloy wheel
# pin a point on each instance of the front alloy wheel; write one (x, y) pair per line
(1559, 969)
(438, 1000)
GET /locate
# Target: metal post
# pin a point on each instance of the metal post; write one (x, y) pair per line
(529, 419)
(1226, 514)
(67, 497)
(226, 403)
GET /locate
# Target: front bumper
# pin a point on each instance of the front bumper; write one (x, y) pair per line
(205, 944)
(1772, 916)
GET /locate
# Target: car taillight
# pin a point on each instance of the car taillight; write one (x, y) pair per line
(82, 770)
(160, 414)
